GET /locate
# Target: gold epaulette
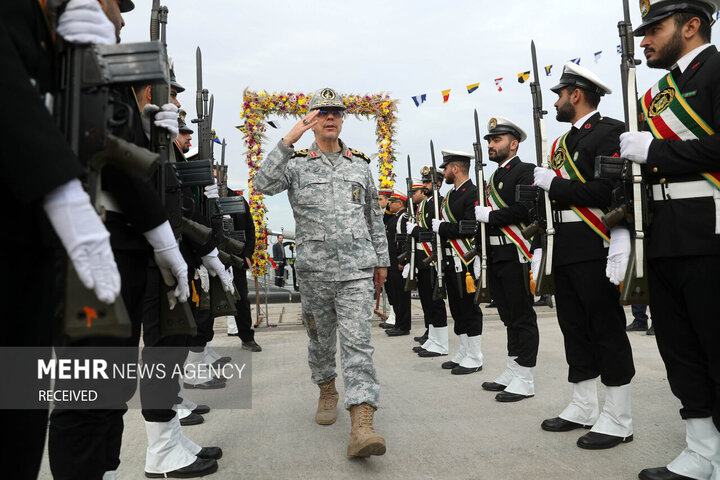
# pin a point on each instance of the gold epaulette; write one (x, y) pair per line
(358, 153)
(300, 153)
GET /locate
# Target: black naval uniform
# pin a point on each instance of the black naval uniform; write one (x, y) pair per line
(434, 311)
(467, 315)
(395, 282)
(35, 159)
(588, 309)
(509, 280)
(684, 251)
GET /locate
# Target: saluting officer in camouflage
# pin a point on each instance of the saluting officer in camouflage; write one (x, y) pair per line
(341, 252)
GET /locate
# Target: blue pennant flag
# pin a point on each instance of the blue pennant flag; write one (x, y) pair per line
(597, 55)
(419, 99)
(619, 49)
(576, 61)
(547, 70)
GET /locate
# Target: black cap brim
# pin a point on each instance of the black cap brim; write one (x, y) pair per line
(501, 130)
(126, 6)
(453, 158)
(568, 79)
(179, 88)
(660, 13)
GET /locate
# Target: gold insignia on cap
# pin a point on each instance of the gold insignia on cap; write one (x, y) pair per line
(425, 171)
(182, 114)
(644, 8)
(661, 102)
(492, 124)
(327, 94)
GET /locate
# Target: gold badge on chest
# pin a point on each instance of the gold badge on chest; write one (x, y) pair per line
(661, 102)
(558, 159)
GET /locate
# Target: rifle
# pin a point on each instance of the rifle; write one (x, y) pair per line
(87, 108)
(630, 198)
(482, 289)
(439, 290)
(545, 283)
(176, 318)
(411, 282)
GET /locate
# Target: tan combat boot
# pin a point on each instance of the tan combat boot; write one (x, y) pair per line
(363, 439)
(327, 403)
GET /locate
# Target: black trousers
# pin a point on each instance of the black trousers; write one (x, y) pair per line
(593, 324)
(434, 311)
(687, 328)
(205, 330)
(243, 319)
(401, 298)
(466, 315)
(29, 298)
(86, 443)
(510, 290)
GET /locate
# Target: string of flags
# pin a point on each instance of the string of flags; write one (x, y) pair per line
(522, 77)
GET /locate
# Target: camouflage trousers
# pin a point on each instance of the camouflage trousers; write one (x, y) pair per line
(346, 307)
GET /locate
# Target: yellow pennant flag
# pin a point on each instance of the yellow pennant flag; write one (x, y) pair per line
(523, 77)
(446, 95)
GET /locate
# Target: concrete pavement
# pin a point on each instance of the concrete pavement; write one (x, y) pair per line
(437, 425)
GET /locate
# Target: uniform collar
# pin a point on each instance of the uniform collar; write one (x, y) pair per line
(314, 150)
(580, 123)
(506, 163)
(460, 186)
(684, 62)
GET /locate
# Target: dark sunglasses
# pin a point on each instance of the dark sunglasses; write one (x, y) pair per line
(324, 113)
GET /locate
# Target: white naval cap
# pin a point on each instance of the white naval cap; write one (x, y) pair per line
(500, 125)
(455, 156)
(581, 77)
(655, 10)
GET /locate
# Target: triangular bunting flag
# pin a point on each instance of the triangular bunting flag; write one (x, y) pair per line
(547, 70)
(597, 55)
(418, 99)
(523, 77)
(273, 124)
(576, 61)
(498, 81)
(241, 128)
(446, 95)
(471, 88)
(619, 50)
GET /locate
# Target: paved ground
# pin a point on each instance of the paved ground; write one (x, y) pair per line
(437, 426)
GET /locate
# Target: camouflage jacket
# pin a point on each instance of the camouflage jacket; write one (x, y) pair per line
(338, 220)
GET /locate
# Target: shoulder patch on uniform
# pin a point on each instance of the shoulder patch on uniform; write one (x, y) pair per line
(300, 153)
(358, 153)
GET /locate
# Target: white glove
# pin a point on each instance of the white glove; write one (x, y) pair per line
(477, 266)
(544, 177)
(84, 21)
(406, 270)
(85, 239)
(204, 278)
(436, 224)
(165, 117)
(169, 259)
(535, 263)
(211, 191)
(618, 254)
(482, 214)
(635, 146)
(216, 268)
(410, 226)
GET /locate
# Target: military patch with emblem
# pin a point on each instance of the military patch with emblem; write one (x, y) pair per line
(358, 153)
(300, 153)
(661, 102)
(425, 171)
(327, 94)
(355, 189)
(644, 8)
(492, 124)
(558, 159)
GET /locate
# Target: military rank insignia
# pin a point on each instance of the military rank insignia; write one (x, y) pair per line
(355, 189)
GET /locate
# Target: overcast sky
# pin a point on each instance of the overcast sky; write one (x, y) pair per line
(401, 47)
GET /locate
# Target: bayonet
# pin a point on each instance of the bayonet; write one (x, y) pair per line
(439, 291)
(482, 289)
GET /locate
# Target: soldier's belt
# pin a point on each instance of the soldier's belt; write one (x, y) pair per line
(683, 190)
(497, 240)
(566, 216)
(107, 200)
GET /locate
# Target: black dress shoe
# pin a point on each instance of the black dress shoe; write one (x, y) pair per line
(600, 441)
(232, 334)
(201, 409)
(221, 361)
(199, 468)
(421, 339)
(386, 325)
(449, 365)
(210, 452)
(650, 331)
(465, 370)
(252, 346)
(493, 386)
(511, 397)
(428, 354)
(492, 304)
(211, 384)
(558, 424)
(192, 419)
(396, 332)
(636, 326)
(660, 473)
(418, 349)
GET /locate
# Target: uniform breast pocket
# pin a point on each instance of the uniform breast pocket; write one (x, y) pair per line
(355, 188)
(313, 188)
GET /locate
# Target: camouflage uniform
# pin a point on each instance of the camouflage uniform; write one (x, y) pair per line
(340, 240)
